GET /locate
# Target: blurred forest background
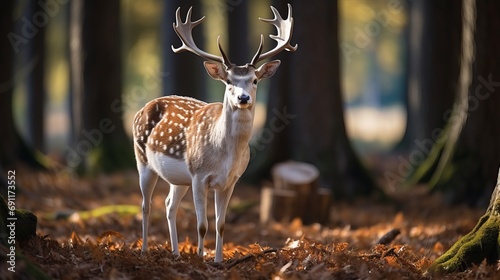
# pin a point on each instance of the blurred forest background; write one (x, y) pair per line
(396, 102)
(370, 97)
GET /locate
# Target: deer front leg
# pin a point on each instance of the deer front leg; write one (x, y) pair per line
(200, 205)
(221, 202)
(172, 203)
(147, 182)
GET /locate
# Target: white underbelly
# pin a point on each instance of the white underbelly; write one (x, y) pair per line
(174, 171)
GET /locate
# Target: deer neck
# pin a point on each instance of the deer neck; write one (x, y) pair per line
(234, 126)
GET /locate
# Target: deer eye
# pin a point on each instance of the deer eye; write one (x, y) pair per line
(255, 81)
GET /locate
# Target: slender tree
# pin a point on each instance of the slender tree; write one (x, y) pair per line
(76, 77)
(35, 82)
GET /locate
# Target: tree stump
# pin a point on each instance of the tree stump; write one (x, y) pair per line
(479, 244)
(320, 206)
(284, 205)
(295, 195)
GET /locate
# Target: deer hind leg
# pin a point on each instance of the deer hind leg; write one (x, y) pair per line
(200, 205)
(172, 203)
(221, 202)
(147, 181)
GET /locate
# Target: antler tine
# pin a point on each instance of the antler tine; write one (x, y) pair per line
(184, 31)
(255, 58)
(284, 28)
(225, 59)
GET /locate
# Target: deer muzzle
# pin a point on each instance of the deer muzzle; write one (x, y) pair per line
(243, 98)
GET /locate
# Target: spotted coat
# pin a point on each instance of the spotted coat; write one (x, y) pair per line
(161, 126)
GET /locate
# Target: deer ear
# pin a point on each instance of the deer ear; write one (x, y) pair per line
(267, 69)
(216, 70)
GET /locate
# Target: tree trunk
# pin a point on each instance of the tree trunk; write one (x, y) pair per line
(75, 22)
(13, 149)
(8, 143)
(477, 154)
(469, 172)
(305, 112)
(434, 50)
(237, 23)
(36, 84)
(439, 62)
(435, 40)
(102, 143)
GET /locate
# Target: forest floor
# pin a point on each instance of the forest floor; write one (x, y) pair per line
(73, 243)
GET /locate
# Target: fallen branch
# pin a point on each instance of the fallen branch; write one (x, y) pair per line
(388, 237)
(249, 257)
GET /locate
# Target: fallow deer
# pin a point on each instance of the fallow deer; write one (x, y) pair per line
(188, 142)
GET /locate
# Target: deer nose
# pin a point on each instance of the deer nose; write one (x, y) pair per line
(243, 98)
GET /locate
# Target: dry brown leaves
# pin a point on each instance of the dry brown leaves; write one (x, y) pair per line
(108, 247)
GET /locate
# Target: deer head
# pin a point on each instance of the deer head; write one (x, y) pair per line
(241, 81)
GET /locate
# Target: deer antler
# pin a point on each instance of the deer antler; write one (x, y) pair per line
(184, 31)
(285, 30)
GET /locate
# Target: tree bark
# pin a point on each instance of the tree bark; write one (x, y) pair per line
(305, 112)
(481, 243)
(469, 174)
(102, 144)
(13, 149)
(434, 56)
(75, 22)
(237, 21)
(36, 84)
(434, 51)
(439, 62)
(8, 144)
